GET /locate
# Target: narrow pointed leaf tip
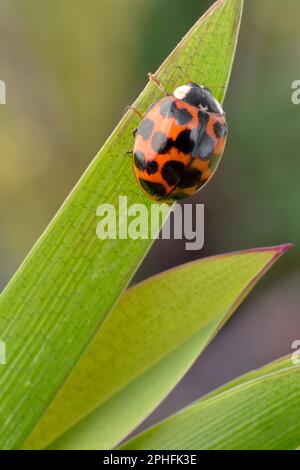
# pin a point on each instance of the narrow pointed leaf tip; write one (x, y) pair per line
(279, 249)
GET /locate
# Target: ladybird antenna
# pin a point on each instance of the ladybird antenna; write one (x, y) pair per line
(134, 110)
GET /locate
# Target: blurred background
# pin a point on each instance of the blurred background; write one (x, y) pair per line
(72, 66)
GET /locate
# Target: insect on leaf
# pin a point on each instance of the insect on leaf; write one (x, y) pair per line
(71, 279)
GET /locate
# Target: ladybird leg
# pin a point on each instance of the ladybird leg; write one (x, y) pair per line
(156, 82)
(136, 111)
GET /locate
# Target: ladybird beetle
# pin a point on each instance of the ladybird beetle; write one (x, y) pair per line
(179, 143)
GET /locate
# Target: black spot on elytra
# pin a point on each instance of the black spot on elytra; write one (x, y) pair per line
(203, 118)
(139, 160)
(219, 129)
(154, 189)
(172, 172)
(151, 167)
(190, 178)
(206, 147)
(161, 143)
(183, 116)
(169, 109)
(183, 142)
(145, 128)
(199, 134)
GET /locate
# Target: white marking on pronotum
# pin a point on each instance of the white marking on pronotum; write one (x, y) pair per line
(181, 91)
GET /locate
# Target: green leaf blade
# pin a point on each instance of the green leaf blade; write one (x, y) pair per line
(145, 346)
(258, 411)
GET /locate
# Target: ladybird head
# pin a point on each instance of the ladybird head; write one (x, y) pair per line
(199, 96)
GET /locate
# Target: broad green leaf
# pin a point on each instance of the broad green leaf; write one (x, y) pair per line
(145, 346)
(70, 280)
(258, 411)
